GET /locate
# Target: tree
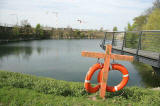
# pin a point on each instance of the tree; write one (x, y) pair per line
(77, 33)
(156, 4)
(39, 31)
(25, 23)
(115, 28)
(139, 22)
(15, 31)
(101, 29)
(129, 27)
(26, 29)
(153, 22)
(131, 38)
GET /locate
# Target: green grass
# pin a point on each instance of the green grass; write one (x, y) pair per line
(19, 89)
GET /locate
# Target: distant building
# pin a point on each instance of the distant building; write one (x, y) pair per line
(47, 28)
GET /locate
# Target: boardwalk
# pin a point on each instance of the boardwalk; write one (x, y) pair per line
(145, 56)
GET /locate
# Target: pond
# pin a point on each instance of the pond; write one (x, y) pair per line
(62, 60)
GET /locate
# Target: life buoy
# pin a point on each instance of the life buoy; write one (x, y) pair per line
(124, 81)
(87, 84)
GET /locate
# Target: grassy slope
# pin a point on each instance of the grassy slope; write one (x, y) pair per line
(19, 89)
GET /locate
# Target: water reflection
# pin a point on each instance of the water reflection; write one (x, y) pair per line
(24, 51)
(149, 77)
(39, 50)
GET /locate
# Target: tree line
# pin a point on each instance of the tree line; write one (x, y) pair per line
(148, 20)
(27, 32)
(24, 32)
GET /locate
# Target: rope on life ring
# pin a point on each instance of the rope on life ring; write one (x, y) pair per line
(124, 81)
(87, 84)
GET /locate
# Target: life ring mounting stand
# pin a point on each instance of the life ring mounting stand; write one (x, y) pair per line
(103, 77)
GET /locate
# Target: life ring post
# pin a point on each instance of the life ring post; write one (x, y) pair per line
(105, 71)
(106, 56)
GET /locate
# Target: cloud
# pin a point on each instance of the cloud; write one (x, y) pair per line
(96, 13)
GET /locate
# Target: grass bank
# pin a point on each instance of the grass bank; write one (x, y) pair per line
(21, 89)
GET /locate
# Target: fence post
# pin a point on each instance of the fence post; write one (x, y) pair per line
(139, 44)
(125, 45)
(105, 36)
(159, 62)
(102, 45)
(113, 39)
(124, 42)
(104, 40)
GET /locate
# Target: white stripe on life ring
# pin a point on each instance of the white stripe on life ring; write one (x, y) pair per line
(87, 81)
(115, 87)
(125, 75)
(88, 73)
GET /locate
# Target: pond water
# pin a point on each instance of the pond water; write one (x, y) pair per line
(62, 60)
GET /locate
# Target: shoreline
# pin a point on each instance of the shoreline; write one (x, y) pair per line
(19, 40)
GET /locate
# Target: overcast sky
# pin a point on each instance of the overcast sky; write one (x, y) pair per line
(93, 13)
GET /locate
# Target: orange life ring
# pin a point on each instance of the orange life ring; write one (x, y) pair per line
(89, 74)
(124, 81)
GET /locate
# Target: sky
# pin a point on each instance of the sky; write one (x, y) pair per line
(93, 14)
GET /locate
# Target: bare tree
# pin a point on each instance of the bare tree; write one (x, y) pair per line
(24, 23)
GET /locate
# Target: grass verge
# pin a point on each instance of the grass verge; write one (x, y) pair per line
(21, 89)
